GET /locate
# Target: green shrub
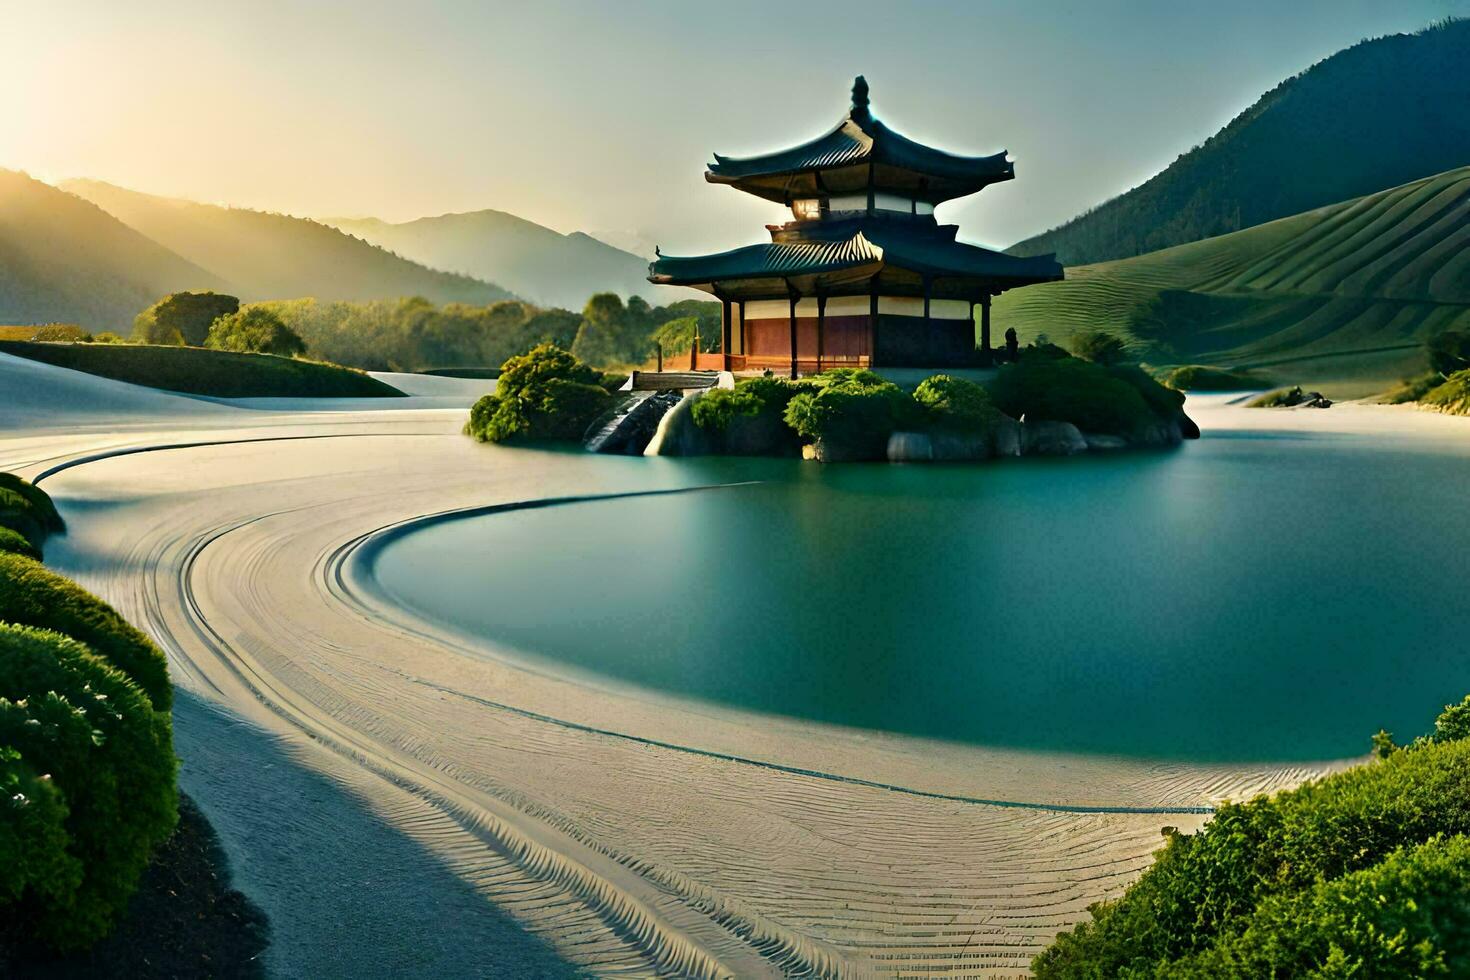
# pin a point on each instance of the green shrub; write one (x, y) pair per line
(957, 405)
(612, 381)
(254, 330)
(14, 543)
(719, 406)
(89, 727)
(545, 393)
(1453, 723)
(852, 411)
(1099, 347)
(108, 337)
(1205, 887)
(17, 514)
(1065, 389)
(1198, 377)
(33, 595)
(62, 333)
(1412, 389)
(39, 500)
(1453, 396)
(1408, 916)
(34, 859)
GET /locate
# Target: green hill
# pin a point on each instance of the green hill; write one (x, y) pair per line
(63, 258)
(1375, 115)
(275, 256)
(198, 371)
(1340, 297)
(542, 265)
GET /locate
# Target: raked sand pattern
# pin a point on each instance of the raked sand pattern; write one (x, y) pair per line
(636, 834)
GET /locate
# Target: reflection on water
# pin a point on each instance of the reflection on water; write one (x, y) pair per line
(1243, 598)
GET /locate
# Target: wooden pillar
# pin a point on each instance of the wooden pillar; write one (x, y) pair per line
(928, 288)
(987, 357)
(793, 329)
(972, 325)
(725, 329)
(873, 323)
(744, 343)
(821, 328)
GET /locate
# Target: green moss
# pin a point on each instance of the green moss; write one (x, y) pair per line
(197, 371)
(39, 500)
(14, 543)
(1453, 396)
(33, 595)
(1198, 377)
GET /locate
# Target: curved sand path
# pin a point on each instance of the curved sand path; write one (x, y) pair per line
(634, 832)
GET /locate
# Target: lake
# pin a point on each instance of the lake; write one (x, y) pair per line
(1247, 597)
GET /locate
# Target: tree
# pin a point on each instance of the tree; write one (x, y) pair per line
(182, 318)
(1448, 352)
(254, 330)
(611, 334)
(1099, 347)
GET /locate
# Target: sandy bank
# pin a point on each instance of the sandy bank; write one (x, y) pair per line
(628, 831)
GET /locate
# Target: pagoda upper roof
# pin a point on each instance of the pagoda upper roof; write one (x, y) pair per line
(859, 248)
(860, 149)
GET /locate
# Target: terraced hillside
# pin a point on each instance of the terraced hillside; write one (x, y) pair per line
(1340, 297)
(1377, 114)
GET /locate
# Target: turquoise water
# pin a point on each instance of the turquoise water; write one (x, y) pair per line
(1243, 598)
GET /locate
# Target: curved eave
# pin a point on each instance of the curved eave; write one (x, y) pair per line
(860, 141)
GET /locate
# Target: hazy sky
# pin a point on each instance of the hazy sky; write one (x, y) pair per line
(600, 116)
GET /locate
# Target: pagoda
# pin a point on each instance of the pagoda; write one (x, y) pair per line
(862, 275)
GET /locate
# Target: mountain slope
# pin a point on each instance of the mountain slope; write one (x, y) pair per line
(275, 256)
(63, 258)
(1343, 294)
(535, 262)
(1375, 115)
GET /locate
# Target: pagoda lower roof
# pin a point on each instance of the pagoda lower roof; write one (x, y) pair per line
(858, 248)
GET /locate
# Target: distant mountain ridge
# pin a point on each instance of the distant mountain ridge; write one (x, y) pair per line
(1342, 295)
(63, 258)
(535, 262)
(259, 255)
(1375, 115)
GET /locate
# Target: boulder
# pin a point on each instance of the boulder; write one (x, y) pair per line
(1159, 434)
(910, 447)
(953, 447)
(1047, 438)
(1104, 443)
(853, 449)
(1006, 439)
(1187, 426)
(762, 434)
(677, 435)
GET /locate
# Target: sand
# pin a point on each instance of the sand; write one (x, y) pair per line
(556, 823)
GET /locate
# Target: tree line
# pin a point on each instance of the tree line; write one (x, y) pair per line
(414, 334)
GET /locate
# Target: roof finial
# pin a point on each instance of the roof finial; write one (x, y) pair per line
(860, 93)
